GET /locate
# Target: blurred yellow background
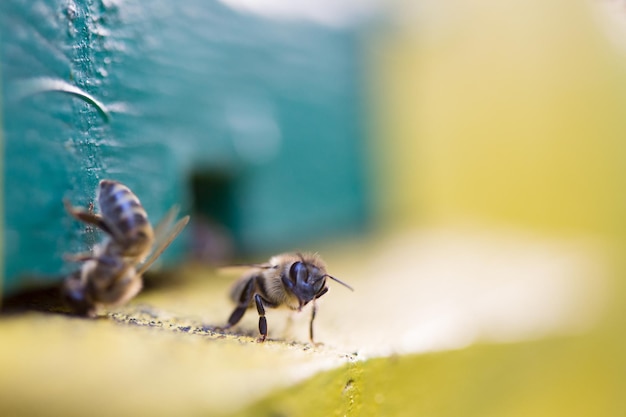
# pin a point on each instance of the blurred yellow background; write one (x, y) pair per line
(503, 113)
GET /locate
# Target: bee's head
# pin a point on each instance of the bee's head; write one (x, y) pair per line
(307, 281)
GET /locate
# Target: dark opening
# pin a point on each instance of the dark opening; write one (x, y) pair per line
(214, 220)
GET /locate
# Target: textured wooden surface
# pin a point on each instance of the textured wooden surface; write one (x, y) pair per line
(162, 354)
(571, 376)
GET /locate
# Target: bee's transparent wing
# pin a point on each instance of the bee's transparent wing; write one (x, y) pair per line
(243, 267)
(165, 224)
(165, 240)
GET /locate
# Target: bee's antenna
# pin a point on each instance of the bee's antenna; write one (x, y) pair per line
(339, 281)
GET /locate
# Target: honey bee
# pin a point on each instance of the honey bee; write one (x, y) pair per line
(109, 274)
(289, 279)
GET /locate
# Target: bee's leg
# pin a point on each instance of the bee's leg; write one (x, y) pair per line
(75, 295)
(314, 312)
(262, 320)
(81, 257)
(78, 257)
(242, 305)
(87, 216)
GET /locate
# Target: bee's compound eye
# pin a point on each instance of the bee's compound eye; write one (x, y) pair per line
(318, 283)
(298, 272)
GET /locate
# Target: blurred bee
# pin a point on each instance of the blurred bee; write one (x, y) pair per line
(109, 275)
(289, 279)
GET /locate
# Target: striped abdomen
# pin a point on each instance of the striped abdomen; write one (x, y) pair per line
(131, 232)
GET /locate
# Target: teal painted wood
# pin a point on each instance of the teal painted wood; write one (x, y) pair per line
(151, 93)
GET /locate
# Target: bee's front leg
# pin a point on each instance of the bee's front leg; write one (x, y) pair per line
(87, 216)
(242, 305)
(314, 312)
(262, 320)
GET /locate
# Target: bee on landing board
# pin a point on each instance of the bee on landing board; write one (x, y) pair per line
(111, 273)
(289, 279)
